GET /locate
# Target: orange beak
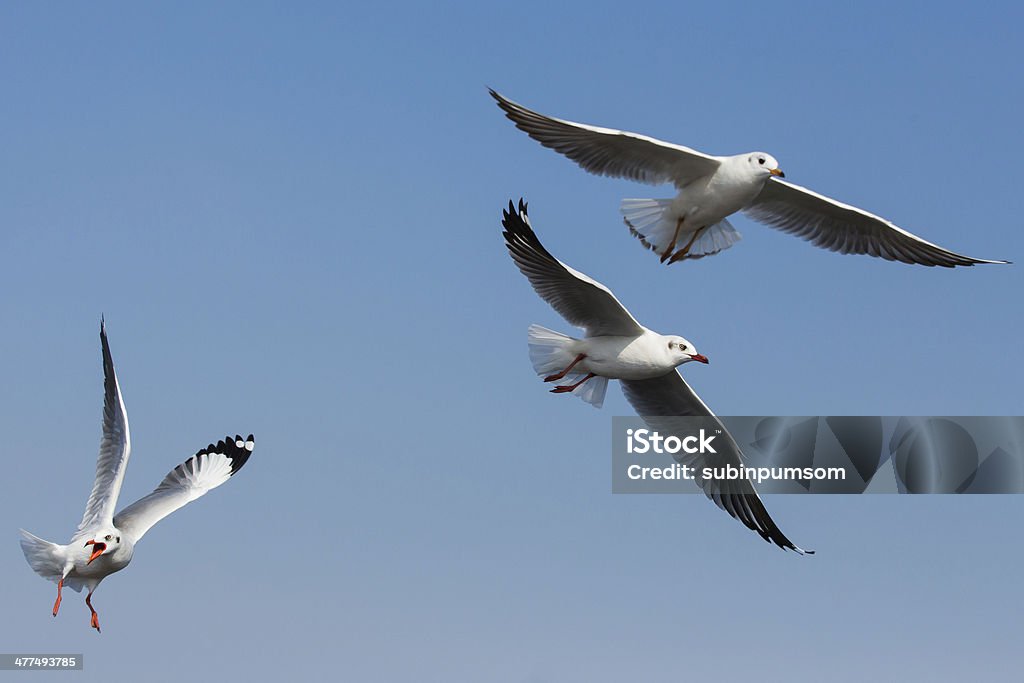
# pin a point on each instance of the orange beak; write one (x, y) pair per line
(777, 172)
(97, 550)
(699, 358)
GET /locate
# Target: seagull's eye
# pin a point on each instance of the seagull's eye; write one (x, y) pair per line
(107, 537)
(118, 539)
(682, 347)
(760, 160)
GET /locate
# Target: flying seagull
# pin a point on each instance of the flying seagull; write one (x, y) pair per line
(616, 346)
(711, 188)
(105, 542)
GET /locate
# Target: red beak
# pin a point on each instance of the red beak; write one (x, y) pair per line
(97, 550)
(699, 358)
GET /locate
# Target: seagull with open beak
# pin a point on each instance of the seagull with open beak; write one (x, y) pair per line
(105, 542)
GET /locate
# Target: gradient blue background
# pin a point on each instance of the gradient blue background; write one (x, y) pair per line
(290, 218)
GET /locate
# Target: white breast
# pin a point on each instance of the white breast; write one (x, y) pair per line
(640, 357)
(708, 200)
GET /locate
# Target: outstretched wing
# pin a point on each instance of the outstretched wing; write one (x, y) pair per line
(829, 224)
(658, 401)
(206, 470)
(609, 152)
(582, 301)
(115, 447)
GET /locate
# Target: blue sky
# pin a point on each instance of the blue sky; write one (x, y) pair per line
(290, 219)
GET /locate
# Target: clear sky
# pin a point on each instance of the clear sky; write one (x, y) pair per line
(289, 216)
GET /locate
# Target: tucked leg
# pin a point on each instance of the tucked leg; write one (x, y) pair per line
(95, 620)
(56, 604)
(681, 254)
(672, 244)
(563, 373)
(563, 389)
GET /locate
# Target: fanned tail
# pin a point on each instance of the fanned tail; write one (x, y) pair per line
(648, 221)
(592, 391)
(550, 353)
(45, 558)
(549, 350)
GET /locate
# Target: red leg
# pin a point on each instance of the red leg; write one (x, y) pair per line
(95, 621)
(681, 254)
(56, 604)
(563, 373)
(563, 389)
(672, 244)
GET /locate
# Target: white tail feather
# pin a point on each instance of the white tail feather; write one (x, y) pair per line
(643, 215)
(46, 559)
(550, 353)
(718, 237)
(647, 221)
(549, 350)
(593, 390)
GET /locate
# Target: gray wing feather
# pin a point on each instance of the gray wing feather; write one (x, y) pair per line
(658, 401)
(582, 301)
(846, 229)
(115, 447)
(609, 152)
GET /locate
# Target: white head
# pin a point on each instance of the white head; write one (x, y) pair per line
(683, 351)
(106, 542)
(764, 165)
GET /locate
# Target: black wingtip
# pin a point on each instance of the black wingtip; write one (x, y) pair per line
(517, 225)
(506, 105)
(519, 234)
(789, 545)
(236, 449)
(516, 220)
(778, 538)
(510, 220)
(750, 510)
(108, 361)
(968, 261)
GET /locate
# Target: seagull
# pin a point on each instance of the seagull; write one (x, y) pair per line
(105, 542)
(616, 346)
(711, 188)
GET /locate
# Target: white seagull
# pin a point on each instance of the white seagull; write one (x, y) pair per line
(105, 542)
(616, 346)
(711, 188)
